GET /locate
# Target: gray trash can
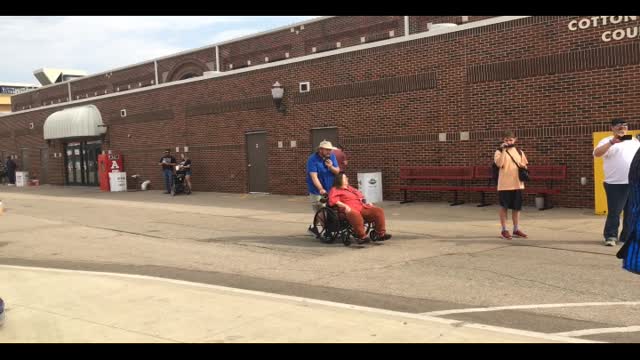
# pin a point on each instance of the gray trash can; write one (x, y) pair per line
(540, 202)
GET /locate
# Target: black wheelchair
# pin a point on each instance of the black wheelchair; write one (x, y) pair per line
(179, 185)
(332, 225)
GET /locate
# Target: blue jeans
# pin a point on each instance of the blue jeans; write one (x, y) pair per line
(617, 196)
(168, 178)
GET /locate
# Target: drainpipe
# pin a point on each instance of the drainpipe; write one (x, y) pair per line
(155, 66)
(69, 89)
(406, 26)
(217, 60)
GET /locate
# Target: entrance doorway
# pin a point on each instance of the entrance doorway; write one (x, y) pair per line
(81, 162)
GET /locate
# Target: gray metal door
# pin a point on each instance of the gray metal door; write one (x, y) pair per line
(319, 134)
(257, 162)
(25, 161)
(44, 166)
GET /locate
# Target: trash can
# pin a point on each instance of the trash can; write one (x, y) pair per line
(118, 181)
(370, 185)
(540, 202)
(22, 178)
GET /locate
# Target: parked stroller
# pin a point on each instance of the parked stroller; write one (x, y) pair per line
(179, 185)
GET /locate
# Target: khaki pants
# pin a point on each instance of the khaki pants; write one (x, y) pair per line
(374, 214)
(315, 202)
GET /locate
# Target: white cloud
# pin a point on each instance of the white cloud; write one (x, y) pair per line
(100, 43)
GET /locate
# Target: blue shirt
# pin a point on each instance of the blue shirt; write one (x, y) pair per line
(316, 164)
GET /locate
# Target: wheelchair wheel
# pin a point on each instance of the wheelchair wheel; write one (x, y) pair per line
(346, 238)
(373, 235)
(320, 222)
(368, 227)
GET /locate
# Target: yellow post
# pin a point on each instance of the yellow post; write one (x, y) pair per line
(598, 173)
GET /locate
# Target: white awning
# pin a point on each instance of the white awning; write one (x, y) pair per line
(74, 122)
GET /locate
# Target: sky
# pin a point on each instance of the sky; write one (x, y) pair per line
(99, 43)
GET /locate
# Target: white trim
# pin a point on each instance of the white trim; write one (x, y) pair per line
(533, 306)
(585, 332)
(406, 26)
(395, 40)
(333, 304)
(69, 90)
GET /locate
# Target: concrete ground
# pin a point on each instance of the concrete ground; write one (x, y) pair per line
(446, 270)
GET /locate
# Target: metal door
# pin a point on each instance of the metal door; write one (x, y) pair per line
(319, 134)
(44, 166)
(257, 162)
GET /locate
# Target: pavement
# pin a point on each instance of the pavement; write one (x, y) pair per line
(78, 265)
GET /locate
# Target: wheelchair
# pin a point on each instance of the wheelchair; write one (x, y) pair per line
(332, 225)
(179, 185)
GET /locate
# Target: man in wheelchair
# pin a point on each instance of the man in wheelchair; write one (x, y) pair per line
(350, 202)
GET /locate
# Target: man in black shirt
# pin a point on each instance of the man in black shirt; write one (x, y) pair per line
(11, 170)
(168, 163)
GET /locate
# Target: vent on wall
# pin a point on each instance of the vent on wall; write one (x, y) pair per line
(305, 87)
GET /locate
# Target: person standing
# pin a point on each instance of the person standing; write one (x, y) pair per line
(185, 168)
(11, 167)
(617, 152)
(322, 168)
(508, 158)
(341, 157)
(168, 163)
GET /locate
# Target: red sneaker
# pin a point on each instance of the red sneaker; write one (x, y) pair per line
(505, 235)
(519, 233)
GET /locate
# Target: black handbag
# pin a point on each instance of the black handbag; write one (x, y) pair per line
(523, 173)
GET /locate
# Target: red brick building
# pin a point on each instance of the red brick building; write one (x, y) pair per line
(387, 87)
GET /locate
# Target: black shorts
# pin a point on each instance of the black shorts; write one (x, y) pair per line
(510, 199)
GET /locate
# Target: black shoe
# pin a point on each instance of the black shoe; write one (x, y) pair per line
(385, 237)
(166, 192)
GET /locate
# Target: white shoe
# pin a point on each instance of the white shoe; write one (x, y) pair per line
(610, 242)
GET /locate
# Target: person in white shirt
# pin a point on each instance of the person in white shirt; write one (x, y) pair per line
(617, 152)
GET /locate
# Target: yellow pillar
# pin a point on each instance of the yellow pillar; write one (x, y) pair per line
(598, 173)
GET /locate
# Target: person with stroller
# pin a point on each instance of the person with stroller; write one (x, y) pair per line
(351, 201)
(184, 168)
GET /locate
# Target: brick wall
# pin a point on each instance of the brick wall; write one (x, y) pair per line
(554, 87)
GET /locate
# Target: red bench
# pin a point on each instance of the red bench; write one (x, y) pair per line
(446, 173)
(546, 174)
(538, 173)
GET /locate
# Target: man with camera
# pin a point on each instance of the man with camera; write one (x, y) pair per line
(509, 159)
(322, 168)
(617, 152)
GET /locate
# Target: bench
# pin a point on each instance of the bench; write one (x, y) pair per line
(484, 173)
(539, 173)
(446, 173)
(546, 174)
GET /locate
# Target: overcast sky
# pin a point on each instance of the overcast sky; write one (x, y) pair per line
(100, 43)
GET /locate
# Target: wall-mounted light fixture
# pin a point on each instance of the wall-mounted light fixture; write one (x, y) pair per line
(277, 92)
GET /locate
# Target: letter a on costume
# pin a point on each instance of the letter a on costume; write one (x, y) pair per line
(114, 165)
